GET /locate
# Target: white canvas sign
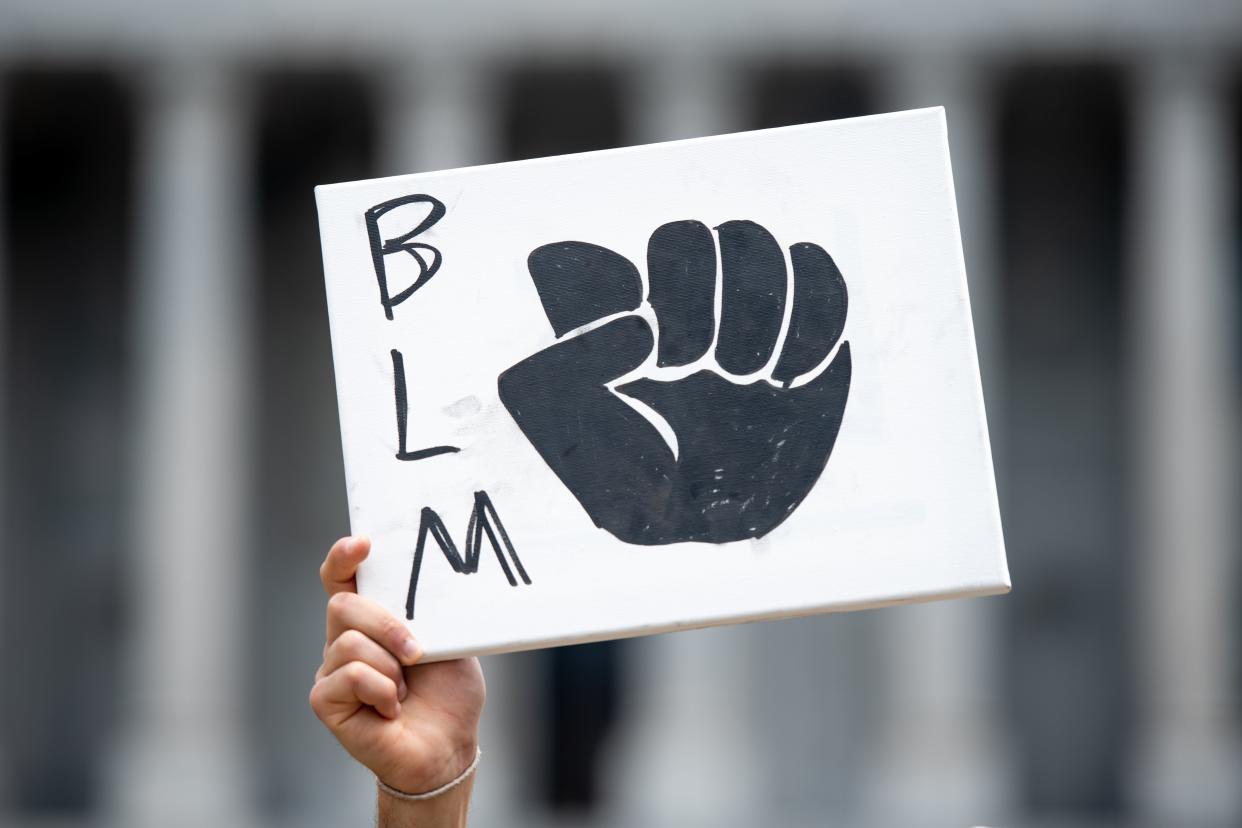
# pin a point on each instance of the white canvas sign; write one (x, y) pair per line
(662, 387)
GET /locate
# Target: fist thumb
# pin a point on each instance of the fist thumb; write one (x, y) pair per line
(585, 361)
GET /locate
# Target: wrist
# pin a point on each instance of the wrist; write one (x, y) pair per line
(449, 810)
(431, 773)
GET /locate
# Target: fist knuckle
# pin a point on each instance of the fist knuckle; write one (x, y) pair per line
(356, 674)
(339, 604)
(353, 643)
(392, 630)
(316, 698)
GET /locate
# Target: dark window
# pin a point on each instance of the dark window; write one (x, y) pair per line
(1062, 170)
(817, 769)
(313, 127)
(549, 112)
(67, 172)
(801, 94)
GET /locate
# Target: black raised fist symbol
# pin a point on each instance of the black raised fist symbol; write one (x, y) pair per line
(749, 444)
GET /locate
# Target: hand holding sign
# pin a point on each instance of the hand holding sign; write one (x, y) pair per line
(415, 726)
(749, 444)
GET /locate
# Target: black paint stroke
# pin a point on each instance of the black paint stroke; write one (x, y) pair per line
(381, 247)
(817, 319)
(398, 383)
(752, 296)
(579, 283)
(681, 270)
(747, 455)
(484, 520)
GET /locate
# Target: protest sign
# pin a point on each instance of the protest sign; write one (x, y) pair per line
(662, 387)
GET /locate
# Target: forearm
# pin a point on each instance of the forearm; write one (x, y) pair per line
(448, 810)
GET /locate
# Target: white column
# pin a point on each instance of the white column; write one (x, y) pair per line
(439, 112)
(183, 755)
(685, 95)
(690, 753)
(941, 755)
(1188, 766)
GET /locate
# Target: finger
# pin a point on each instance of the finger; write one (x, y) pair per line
(752, 305)
(353, 645)
(817, 318)
(350, 611)
(579, 283)
(681, 272)
(339, 694)
(338, 569)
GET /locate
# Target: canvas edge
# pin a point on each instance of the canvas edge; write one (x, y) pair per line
(980, 401)
(981, 590)
(323, 196)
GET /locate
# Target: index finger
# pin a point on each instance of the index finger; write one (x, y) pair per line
(337, 571)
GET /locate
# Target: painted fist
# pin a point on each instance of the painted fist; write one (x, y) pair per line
(707, 429)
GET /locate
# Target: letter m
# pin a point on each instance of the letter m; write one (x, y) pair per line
(484, 522)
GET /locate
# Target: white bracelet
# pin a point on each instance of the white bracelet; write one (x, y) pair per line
(443, 789)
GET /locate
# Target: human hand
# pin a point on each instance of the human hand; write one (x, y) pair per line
(415, 727)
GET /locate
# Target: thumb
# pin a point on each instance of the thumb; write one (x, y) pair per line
(586, 361)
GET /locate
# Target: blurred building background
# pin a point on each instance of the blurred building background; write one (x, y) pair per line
(171, 462)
